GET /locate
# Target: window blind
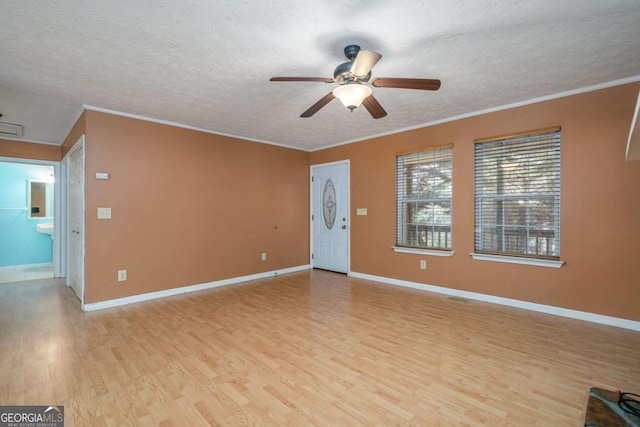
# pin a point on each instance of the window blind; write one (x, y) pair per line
(424, 198)
(517, 195)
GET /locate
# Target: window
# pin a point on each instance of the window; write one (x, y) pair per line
(424, 198)
(517, 195)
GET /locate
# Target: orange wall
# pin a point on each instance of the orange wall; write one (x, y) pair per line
(187, 207)
(28, 150)
(600, 206)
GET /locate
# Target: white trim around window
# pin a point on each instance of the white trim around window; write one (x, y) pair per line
(424, 198)
(517, 194)
(419, 251)
(539, 262)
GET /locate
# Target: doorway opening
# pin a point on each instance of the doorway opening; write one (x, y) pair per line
(28, 209)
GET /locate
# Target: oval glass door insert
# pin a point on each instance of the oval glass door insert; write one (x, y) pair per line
(329, 204)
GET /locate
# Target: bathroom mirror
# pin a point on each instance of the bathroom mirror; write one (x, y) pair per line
(40, 199)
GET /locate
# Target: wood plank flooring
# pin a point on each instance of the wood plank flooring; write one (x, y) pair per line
(308, 348)
(19, 273)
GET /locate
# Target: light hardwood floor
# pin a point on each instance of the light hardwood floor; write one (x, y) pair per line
(19, 273)
(308, 348)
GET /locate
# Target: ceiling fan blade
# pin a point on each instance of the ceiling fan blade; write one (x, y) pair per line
(318, 105)
(424, 84)
(364, 62)
(302, 79)
(373, 107)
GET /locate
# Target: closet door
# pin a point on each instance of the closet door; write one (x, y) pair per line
(76, 220)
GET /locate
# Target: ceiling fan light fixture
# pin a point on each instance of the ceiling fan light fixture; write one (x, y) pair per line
(351, 95)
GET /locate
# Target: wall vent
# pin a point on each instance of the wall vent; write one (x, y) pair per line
(9, 129)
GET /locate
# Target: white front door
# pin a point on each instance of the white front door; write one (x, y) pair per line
(330, 216)
(76, 219)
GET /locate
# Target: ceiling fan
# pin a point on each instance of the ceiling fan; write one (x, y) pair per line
(353, 78)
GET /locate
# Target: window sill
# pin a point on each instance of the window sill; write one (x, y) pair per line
(518, 260)
(419, 251)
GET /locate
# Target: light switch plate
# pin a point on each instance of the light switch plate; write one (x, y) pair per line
(361, 211)
(104, 213)
(102, 175)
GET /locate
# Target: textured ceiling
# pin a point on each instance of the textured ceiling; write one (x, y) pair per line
(207, 64)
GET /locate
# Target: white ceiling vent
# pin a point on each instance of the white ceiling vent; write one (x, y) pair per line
(9, 129)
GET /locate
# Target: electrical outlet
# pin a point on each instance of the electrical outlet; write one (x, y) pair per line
(104, 213)
(423, 264)
(122, 275)
(264, 256)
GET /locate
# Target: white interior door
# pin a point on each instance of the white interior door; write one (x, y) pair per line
(330, 220)
(76, 219)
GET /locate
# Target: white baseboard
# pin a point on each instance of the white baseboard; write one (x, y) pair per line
(26, 266)
(549, 309)
(186, 289)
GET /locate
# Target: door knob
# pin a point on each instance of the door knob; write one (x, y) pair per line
(344, 227)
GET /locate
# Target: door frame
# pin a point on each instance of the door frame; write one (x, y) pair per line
(80, 143)
(58, 211)
(311, 199)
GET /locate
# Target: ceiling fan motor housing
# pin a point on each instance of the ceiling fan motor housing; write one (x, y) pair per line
(342, 73)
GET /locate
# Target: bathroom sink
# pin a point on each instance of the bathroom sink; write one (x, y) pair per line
(45, 228)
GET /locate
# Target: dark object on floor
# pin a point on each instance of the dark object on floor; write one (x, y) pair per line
(603, 410)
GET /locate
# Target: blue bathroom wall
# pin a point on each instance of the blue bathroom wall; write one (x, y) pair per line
(20, 243)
